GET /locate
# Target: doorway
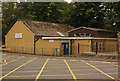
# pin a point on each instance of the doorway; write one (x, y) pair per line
(65, 47)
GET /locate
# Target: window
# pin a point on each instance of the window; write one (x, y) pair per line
(87, 34)
(82, 35)
(18, 35)
(75, 35)
(66, 45)
(78, 35)
(92, 46)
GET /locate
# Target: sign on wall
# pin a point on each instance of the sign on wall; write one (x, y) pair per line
(51, 40)
(18, 35)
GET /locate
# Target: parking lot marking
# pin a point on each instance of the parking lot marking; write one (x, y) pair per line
(112, 73)
(104, 62)
(17, 68)
(56, 64)
(98, 70)
(114, 65)
(54, 70)
(22, 71)
(7, 57)
(93, 73)
(80, 66)
(23, 76)
(13, 60)
(3, 54)
(92, 69)
(41, 70)
(110, 63)
(55, 67)
(4, 62)
(53, 59)
(58, 75)
(73, 60)
(87, 74)
(70, 70)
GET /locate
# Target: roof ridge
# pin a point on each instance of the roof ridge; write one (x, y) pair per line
(43, 22)
(46, 28)
(91, 28)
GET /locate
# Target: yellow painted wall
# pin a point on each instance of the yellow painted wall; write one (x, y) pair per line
(47, 48)
(109, 45)
(24, 44)
(84, 46)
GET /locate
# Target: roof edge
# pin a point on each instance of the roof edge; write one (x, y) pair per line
(78, 38)
(26, 26)
(97, 29)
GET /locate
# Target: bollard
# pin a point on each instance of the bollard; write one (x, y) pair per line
(96, 48)
(78, 48)
(118, 45)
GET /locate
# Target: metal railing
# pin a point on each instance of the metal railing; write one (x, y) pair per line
(96, 49)
(76, 50)
(38, 51)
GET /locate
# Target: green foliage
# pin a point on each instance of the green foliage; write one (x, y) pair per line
(87, 14)
(111, 57)
(75, 55)
(70, 55)
(112, 16)
(99, 15)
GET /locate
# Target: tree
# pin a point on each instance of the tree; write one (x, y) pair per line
(9, 17)
(112, 16)
(87, 14)
(98, 15)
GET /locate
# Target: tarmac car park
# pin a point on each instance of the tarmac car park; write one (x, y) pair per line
(18, 66)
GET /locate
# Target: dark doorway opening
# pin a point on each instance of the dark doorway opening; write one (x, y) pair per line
(65, 48)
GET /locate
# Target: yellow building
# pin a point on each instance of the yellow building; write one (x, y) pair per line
(45, 38)
(26, 36)
(80, 45)
(100, 40)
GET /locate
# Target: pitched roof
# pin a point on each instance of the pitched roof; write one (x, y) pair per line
(46, 28)
(94, 29)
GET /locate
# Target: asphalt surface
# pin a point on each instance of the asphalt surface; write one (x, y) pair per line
(23, 67)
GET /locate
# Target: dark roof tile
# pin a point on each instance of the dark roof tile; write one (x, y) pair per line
(47, 29)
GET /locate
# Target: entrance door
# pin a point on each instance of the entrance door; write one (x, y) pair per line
(66, 48)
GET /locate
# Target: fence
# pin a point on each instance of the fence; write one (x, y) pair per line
(47, 51)
(76, 50)
(96, 49)
(108, 48)
(23, 49)
(38, 51)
